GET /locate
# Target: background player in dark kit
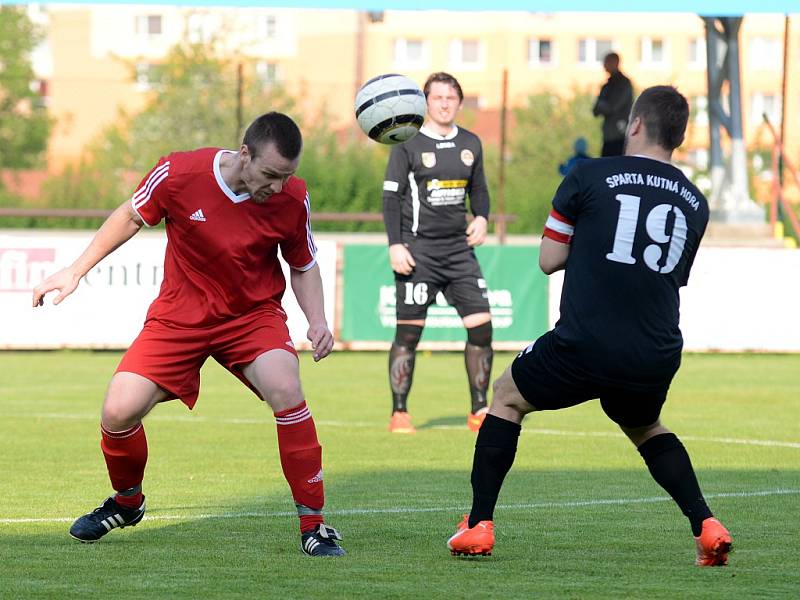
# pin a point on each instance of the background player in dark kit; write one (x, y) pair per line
(426, 186)
(626, 230)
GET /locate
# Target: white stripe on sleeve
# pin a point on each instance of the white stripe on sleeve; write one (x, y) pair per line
(143, 194)
(559, 226)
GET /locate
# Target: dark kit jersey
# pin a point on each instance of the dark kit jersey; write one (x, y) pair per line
(636, 225)
(427, 181)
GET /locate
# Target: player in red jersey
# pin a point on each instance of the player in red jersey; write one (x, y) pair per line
(226, 214)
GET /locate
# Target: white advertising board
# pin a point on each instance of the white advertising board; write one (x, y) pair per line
(738, 299)
(109, 306)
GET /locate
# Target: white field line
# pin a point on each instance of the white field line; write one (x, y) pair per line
(376, 425)
(417, 510)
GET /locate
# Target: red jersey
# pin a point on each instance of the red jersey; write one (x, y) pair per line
(221, 259)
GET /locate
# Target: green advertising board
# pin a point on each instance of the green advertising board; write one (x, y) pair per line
(517, 296)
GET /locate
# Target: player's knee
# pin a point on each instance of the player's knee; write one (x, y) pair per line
(119, 415)
(506, 395)
(284, 394)
(480, 335)
(407, 335)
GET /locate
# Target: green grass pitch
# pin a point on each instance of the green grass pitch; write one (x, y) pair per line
(579, 516)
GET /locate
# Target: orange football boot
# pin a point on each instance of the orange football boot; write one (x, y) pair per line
(475, 420)
(478, 540)
(401, 423)
(713, 544)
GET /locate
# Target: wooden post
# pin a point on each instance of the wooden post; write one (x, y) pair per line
(500, 224)
(239, 107)
(786, 41)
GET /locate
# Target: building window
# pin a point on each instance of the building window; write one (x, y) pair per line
(652, 52)
(267, 72)
(697, 53)
(270, 26)
(540, 52)
(466, 53)
(148, 25)
(761, 104)
(267, 27)
(201, 28)
(699, 109)
(410, 53)
(144, 76)
(592, 51)
(765, 54)
(41, 88)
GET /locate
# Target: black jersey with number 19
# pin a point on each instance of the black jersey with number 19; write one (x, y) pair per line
(637, 224)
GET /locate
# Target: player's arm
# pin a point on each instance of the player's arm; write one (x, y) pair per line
(120, 226)
(478, 203)
(307, 288)
(560, 225)
(552, 255)
(394, 190)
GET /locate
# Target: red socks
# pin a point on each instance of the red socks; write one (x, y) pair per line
(301, 459)
(126, 456)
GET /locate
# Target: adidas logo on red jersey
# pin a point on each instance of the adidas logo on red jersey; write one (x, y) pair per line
(198, 215)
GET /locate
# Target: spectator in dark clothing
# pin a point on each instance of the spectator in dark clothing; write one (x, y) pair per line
(614, 104)
(580, 154)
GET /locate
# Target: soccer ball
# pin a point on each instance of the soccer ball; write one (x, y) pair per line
(390, 108)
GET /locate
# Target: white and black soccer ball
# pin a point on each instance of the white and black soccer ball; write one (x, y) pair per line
(390, 108)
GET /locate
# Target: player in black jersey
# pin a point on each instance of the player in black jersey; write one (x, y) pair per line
(626, 230)
(431, 246)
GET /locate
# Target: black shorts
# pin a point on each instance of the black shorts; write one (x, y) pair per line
(456, 274)
(550, 381)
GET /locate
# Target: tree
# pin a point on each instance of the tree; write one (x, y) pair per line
(344, 173)
(193, 104)
(542, 139)
(24, 124)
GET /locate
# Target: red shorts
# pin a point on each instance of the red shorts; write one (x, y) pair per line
(171, 356)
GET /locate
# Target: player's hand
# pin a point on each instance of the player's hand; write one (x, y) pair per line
(321, 340)
(401, 260)
(65, 281)
(476, 231)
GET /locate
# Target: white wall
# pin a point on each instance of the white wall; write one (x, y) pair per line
(738, 299)
(108, 308)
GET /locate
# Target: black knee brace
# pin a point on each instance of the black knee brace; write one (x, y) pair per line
(480, 335)
(407, 335)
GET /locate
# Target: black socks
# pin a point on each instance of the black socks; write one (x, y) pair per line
(495, 449)
(670, 466)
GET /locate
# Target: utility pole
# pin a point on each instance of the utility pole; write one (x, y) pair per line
(239, 102)
(500, 226)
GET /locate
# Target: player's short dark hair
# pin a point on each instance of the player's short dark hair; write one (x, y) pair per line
(277, 128)
(442, 77)
(664, 113)
(611, 56)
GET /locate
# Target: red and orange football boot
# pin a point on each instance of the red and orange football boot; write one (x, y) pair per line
(401, 423)
(472, 541)
(713, 544)
(475, 420)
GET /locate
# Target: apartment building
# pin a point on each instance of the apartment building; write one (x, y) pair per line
(96, 58)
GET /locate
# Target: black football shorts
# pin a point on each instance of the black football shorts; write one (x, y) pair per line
(549, 379)
(456, 274)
